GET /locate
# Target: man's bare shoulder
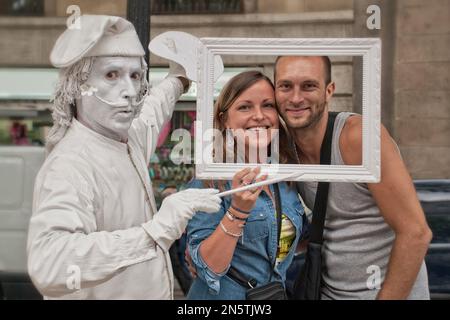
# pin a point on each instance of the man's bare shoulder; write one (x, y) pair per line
(350, 140)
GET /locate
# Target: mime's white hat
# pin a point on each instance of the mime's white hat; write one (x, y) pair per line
(97, 36)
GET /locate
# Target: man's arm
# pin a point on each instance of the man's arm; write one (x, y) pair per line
(156, 111)
(396, 198)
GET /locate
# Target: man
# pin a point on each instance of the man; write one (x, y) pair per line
(95, 232)
(371, 230)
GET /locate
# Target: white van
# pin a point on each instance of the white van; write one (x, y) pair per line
(18, 169)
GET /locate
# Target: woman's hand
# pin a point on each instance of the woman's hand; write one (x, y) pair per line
(245, 200)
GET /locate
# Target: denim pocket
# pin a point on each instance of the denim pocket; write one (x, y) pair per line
(256, 227)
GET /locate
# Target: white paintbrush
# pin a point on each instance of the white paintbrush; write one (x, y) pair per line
(260, 183)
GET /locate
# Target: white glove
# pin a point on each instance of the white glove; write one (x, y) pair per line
(183, 48)
(180, 47)
(177, 70)
(176, 210)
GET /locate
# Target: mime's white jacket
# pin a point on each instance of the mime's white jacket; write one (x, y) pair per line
(89, 207)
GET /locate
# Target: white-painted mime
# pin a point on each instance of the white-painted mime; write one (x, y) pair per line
(93, 206)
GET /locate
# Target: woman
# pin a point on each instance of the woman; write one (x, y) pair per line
(243, 233)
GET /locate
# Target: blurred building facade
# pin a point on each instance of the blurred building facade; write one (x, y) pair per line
(416, 54)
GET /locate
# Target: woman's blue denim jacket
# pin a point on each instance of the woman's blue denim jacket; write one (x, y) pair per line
(256, 250)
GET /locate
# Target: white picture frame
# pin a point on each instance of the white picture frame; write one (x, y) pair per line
(368, 48)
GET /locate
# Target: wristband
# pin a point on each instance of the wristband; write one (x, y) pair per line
(240, 210)
(235, 235)
(232, 217)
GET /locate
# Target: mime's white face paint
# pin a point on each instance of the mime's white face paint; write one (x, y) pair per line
(116, 81)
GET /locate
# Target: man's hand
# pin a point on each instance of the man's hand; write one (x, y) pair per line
(192, 200)
(176, 210)
(177, 70)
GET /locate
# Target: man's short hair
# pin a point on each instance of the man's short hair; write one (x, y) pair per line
(327, 63)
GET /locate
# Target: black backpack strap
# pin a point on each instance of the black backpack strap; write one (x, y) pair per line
(321, 200)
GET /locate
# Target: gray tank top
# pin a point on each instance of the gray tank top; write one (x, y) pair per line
(357, 240)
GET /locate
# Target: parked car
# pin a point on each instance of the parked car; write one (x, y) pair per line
(434, 196)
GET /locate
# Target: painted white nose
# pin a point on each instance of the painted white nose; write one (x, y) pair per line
(129, 91)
